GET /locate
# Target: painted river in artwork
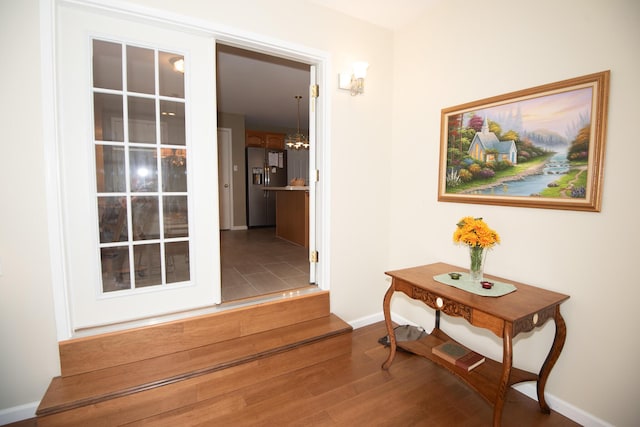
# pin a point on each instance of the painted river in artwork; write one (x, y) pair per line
(532, 184)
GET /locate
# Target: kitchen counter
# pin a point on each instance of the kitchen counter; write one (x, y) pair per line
(289, 188)
(292, 214)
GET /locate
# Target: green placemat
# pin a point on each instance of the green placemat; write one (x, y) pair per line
(465, 283)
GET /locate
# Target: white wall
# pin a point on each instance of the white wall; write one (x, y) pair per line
(461, 52)
(28, 355)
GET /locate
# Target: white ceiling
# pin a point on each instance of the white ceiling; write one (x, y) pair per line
(263, 87)
(384, 13)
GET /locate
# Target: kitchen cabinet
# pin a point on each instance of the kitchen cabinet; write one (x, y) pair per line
(275, 141)
(254, 139)
(292, 214)
(262, 139)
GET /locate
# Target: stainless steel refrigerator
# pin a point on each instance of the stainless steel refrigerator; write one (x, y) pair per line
(265, 168)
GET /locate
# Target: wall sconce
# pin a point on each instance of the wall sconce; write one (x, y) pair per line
(354, 81)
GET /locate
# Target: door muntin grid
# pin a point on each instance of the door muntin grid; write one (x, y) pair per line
(141, 156)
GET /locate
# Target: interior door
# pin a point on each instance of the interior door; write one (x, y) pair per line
(313, 182)
(224, 178)
(137, 162)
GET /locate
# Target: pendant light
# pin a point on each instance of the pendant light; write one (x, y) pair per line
(297, 141)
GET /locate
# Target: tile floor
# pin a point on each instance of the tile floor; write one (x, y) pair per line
(255, 262)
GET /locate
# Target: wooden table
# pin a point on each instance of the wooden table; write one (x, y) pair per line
(524, 310)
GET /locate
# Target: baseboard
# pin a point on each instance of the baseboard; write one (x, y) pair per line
(379, 317)
(18, 413)
(528, 389)
(367, 320)
(239, 227)
(560, 406)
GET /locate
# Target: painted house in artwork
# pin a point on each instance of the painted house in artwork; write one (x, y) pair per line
(485, 141)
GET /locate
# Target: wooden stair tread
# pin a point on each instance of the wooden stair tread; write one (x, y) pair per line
(81, 355)
(88, 388)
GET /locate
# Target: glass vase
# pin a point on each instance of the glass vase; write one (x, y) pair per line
(476, 267)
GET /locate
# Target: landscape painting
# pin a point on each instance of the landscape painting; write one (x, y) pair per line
(541, 147)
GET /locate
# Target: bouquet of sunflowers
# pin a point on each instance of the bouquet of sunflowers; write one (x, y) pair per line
(476, 234)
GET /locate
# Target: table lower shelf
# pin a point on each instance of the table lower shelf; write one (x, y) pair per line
(485, 379)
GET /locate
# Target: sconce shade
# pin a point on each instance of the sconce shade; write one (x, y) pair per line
(354, 81)
(360, 69)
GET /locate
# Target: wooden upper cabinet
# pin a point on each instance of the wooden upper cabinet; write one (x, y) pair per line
(275, 141)
(255, 139)
(262, 139)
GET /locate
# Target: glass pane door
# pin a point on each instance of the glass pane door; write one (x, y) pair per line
(141, 166)
(137, 165)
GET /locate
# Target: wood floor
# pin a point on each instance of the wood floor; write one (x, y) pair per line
(349, 389)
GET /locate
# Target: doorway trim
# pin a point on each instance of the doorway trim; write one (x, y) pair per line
(231, 36)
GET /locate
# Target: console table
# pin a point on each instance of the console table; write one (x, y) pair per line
(521, 311)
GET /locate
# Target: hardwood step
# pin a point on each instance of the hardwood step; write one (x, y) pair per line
(181, 395)
(158, 365)
(95, 387)
(123, 347)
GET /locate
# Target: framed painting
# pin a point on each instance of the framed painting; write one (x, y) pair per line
(541, 147)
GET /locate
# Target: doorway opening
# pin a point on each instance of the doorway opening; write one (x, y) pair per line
(257, 98)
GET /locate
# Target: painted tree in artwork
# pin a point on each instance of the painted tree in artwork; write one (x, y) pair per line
(579, 149)
(453, 133)
(495, 128)
(475, 123)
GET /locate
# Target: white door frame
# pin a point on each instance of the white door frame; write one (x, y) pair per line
(234, 37)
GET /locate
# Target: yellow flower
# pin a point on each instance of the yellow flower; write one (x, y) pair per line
(475, 232)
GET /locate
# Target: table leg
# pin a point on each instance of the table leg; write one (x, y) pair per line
(552, 358)
(386, 308)
(507, 362)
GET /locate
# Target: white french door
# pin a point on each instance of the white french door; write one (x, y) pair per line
(137, 163)
(313, 183)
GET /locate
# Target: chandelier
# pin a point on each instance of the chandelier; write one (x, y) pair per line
(297, 141)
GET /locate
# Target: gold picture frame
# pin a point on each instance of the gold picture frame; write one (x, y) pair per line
(541, 147)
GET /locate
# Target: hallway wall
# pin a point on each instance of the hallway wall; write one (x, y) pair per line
(459, 54)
